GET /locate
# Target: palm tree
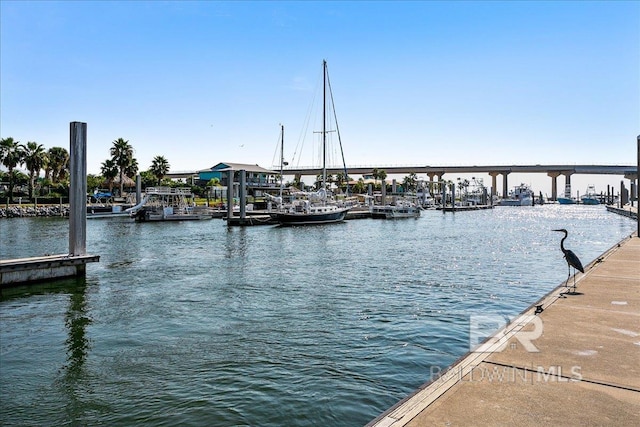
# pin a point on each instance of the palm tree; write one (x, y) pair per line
(382, 175)
(132, 170)
(340, 179)
(359, 187)
(58, 163)
(34, 160)
(159, 167)
(109, 171)
(12, 155)
(375, 174)
(122, 155)
(410, 181)
(329, 180)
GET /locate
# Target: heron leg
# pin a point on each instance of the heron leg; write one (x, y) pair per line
(566, 282)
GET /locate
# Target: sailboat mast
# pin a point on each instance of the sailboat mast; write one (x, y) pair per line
(281, 160)
(324, 124)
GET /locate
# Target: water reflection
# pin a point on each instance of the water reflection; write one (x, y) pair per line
(76, 320)
(78, 345)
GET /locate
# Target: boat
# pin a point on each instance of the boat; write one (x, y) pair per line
(167, 204)
(521, 195)
(590, 197)
(401, 208)
(309, 208)
(567, 199)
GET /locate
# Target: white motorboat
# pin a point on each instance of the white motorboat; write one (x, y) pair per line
(521, 195)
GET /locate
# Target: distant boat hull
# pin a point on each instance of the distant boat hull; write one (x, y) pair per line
(590, 201)
(395, 212)
(149, 215)
(566, 201)
(285, 218)
(525, 201)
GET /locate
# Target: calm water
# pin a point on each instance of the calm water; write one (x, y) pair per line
(196, 324)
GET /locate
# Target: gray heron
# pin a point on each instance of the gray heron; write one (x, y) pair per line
(571, 258)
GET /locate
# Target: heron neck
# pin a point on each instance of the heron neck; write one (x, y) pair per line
(562, 243)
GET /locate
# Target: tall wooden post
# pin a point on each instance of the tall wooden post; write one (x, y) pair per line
(243, 194)
(78, 189)
(229, 195)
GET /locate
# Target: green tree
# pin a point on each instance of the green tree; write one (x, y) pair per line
(12, 155)
(109, 171)
(359, 187)
(410, 182)
(132, 170)
(340, 179)
(378, 174)
(57, 164)
(122, 155)
(159, 168)
(94, 182)
(147, 179)
(382, 175)
(34, 159)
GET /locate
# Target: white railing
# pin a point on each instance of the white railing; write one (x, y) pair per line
(182, 191)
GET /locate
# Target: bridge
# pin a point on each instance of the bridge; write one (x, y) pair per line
(553, 171)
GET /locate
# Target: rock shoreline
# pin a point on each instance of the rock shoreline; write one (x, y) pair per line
(30, 211)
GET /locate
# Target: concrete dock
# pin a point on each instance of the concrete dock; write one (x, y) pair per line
(29, 270)
(577, 362)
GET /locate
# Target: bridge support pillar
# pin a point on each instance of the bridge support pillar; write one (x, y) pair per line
(431, 175)
(505, 182)
(554, 184)
(494, 183)
(432, 183)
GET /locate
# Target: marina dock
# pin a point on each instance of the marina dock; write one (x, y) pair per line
(567, 360)
(629, 211)
(464, 208)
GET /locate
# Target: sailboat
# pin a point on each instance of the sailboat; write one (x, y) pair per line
(309, 208)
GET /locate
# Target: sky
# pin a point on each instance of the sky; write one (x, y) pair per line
(414, 83)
